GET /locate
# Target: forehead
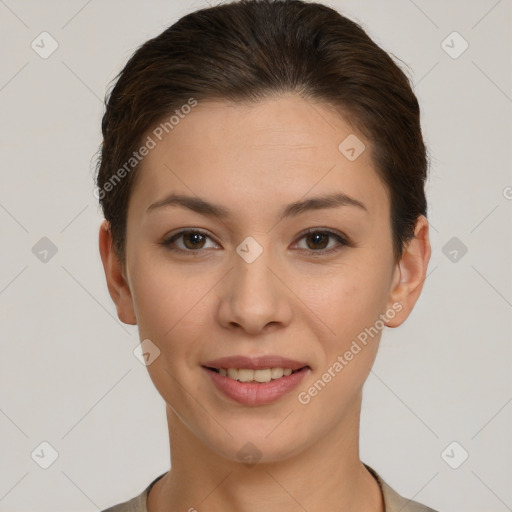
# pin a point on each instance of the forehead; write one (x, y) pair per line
(275, 151)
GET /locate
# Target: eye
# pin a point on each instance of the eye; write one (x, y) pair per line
(192, 241)
(318, 241)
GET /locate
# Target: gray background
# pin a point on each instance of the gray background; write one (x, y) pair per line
(68, 376)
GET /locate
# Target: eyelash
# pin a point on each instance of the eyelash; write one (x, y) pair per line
(343, 241)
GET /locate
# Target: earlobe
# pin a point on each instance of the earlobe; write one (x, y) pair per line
(410, 274)
(116, 281)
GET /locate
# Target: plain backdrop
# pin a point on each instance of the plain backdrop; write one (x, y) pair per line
(70, 386)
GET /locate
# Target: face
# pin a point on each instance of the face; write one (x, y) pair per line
(269, 268)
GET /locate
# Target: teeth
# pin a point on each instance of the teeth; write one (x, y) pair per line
(276, 373)
(247, 375)
(262, 375)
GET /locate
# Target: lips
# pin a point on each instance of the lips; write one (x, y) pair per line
(255, 393)
(255, 381)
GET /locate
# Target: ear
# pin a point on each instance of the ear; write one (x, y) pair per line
(116, 281)
(410, 274)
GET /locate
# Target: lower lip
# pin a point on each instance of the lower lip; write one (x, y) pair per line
(256, 393)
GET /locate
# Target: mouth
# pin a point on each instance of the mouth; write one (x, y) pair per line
(254, 381)
(260, 369)
(261, 376)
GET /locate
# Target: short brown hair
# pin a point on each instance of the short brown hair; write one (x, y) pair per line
(247, 50)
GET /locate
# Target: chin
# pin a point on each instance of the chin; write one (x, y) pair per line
(268, 444)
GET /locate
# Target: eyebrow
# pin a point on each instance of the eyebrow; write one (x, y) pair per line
(204, 207)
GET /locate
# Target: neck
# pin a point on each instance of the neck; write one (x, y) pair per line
(328, 475)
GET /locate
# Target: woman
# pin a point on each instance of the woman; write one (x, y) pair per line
(262, 180)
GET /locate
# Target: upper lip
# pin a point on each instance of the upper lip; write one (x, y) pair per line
(255, 363)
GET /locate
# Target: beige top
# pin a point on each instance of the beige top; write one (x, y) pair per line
(393, 502)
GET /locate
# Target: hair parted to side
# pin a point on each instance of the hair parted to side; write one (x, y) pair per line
(249, 50)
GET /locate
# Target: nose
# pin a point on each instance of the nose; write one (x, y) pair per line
(255, 297)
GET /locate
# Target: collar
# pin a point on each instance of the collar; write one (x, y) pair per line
(393, 502)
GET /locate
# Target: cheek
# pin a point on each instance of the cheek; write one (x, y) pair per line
(172, 311)
(346, 300)
(164, 295)
(348, 304)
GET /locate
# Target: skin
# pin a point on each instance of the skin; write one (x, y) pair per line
(254, 160)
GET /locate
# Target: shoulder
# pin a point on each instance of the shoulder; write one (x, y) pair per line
(136, 504)
(394, 502)
(133, 505)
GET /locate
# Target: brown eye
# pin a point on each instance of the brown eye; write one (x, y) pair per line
(320, 242)
(193, 240)
(188, 241)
